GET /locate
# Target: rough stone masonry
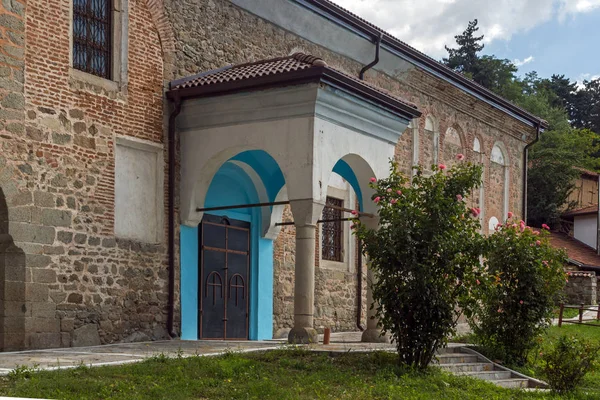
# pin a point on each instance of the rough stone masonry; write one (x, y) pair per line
(66, 279)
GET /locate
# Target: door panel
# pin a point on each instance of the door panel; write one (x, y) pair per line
(224, 278)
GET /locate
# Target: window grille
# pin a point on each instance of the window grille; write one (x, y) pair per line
(331, 242)
(92, 36)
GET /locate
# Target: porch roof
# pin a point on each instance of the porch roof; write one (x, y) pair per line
(298, 68)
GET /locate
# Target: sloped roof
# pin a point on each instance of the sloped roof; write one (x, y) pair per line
(334, 12)
(593, 209)
(575, 249)
(294, 69)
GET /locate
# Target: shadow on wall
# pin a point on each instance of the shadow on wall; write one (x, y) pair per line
(12, 286)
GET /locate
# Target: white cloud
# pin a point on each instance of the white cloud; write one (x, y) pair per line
(524, 61)
(429, 25)
(586, 77)
(571, 7)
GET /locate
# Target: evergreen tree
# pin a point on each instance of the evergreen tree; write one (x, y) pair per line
(464, 59)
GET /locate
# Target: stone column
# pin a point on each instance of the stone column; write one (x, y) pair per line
(373, 332)
(306, 214)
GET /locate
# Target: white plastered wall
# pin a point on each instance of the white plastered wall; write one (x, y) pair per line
(586, 229)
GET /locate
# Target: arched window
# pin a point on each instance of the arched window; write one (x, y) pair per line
(498, 194)
(478, 195)
(431, 143)
(452, 146)
(492, 224)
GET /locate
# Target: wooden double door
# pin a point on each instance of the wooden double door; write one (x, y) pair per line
(224, 278)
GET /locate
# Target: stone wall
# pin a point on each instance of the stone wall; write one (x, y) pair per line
(581, 288)
(222, 34)
(80, 284)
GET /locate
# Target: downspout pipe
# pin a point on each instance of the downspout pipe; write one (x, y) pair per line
(525, 166)
(171, 216)
(359, 282)
(367, 67)
(359, 290)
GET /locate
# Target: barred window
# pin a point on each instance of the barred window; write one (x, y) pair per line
(92, 36)
(331, 242)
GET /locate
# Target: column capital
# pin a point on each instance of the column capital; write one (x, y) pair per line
(306, 212)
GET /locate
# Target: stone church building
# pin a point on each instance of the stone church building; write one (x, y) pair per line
(184, 168)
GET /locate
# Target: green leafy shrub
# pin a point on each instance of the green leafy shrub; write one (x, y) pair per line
(566, 364)
(524, 282)
(424, 256)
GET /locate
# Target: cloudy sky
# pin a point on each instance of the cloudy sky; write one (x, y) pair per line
(547, 36)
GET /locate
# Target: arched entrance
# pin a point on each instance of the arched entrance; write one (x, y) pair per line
(227, 262)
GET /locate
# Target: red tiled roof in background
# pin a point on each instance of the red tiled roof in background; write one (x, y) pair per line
(575, 249)
(593, 209)
(587, 172)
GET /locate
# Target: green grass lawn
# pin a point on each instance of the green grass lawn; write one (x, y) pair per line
(281, 374)
(591, 382)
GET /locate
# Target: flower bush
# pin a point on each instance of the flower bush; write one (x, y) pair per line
(568, 362)
(523, 283)
(424, 256)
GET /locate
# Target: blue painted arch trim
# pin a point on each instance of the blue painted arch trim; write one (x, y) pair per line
(231, 185)
(345, 171)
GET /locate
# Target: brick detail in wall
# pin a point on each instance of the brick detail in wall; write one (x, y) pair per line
(79, 283)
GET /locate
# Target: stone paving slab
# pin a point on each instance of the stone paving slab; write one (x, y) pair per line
(123, 353)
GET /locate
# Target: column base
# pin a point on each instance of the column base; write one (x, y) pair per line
(303, 336)
(374, 336)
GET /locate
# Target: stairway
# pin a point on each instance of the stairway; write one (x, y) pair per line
(464, 361)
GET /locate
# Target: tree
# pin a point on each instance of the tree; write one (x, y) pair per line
(551, 176)
(424, 256)
(586, 106)
(464, 59)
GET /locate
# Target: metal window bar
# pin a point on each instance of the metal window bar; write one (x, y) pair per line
(92, 36)
(331, 242)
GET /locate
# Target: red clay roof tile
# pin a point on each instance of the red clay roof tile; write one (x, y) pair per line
(575, 249)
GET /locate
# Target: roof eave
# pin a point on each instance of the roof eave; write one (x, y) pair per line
(396, 44)
(313, 74)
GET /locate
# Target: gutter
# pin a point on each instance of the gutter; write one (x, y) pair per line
(525, 166)
(367, 67)
(171, 239)
(342, 17)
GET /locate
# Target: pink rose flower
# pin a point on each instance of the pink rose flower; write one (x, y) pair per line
(536, 233)
(521, 302)
(460, 157)
(442, 166)
(499, 310)
(389, 190)
(354, 212)
(373, 180)
(479, 283)
(545, 263)
(510, 214)
(537, 242)
(352, 226)
(399, 192)
(459, 197)
(377, 199)
(393, 201)
(475, 212)
(544, 226)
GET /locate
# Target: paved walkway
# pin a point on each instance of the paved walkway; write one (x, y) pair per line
(124, 353)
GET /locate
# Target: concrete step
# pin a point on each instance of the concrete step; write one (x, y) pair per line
(456, 358)
(467, 367)
(487, 375)
(512, 383)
